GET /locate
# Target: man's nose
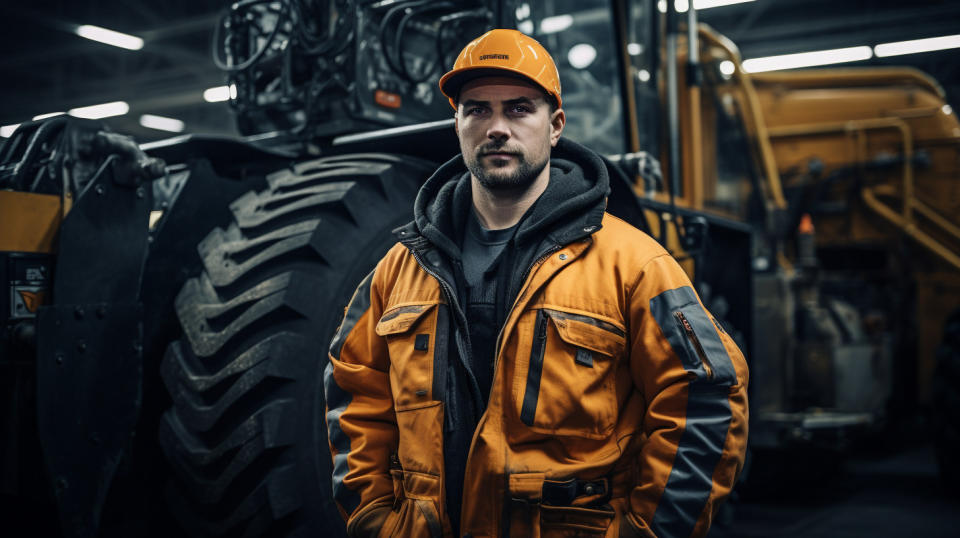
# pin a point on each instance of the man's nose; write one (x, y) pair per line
(499, 128)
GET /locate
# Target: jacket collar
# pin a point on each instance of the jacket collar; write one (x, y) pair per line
(571, 207)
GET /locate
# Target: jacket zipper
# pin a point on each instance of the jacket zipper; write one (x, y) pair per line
(462, 318)
(541, 259)
(531, 394)
(692, 336)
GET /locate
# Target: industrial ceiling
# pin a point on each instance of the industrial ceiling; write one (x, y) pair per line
(46, 67)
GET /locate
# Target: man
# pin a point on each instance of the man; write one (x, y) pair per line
(522, 363)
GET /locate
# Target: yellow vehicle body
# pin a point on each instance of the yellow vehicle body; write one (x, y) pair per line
(880, 145)
(29, 222)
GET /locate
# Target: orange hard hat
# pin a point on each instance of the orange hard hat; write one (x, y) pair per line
(502, 52)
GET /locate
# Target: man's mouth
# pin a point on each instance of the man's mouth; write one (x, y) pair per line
(499, 155)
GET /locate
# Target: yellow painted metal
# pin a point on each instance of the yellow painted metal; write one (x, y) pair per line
(903, 219)
(695, 167)
(910, 228)
(29, 222)
(838, 77)
(753, 116)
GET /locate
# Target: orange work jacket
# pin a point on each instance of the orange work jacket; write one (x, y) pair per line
(618, 405)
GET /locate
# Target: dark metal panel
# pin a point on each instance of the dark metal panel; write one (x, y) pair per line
(88, 400)
(89, 352)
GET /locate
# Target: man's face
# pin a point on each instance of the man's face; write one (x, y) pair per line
(506, 130)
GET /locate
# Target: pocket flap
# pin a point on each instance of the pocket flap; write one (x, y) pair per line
(399, 319)
(588, 333)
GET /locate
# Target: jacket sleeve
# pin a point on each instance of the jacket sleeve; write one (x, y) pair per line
(693, 379)
(361, 423)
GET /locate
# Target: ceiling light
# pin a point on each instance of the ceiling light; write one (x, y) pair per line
(558, 23)
(727, 67)
(634, 49)
(947, 110)
(707, 4)
(643, 75)
(110, 37)
(918, 45)
(525, 27)
(683, 5)
(161, 123)
(7, 130)
(220, 93)
(582, 55)
(106, 110)
(807, 59)
(523, 11)
(47, 115)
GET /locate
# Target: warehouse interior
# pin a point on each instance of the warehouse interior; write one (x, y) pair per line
(848, 428)
(52, 69)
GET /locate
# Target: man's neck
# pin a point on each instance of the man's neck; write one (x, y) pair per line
(500, 209)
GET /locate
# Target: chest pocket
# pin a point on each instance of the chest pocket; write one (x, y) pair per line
(571, 387)
(410, 331)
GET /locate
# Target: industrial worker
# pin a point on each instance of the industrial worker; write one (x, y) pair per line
(522, 363)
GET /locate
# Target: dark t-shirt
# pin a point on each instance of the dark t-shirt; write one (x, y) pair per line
(481, 252)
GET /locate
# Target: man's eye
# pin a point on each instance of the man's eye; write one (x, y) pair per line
(521, 109)
(475, 111)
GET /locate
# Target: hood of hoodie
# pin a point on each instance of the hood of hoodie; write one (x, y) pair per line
(570, 208)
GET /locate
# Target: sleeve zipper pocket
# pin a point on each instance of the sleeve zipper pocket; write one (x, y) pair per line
(697, 346)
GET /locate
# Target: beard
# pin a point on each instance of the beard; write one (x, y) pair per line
(495, 176)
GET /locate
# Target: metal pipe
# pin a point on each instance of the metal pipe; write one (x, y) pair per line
(673, 98)
(753, 119)
(904, 218)
(693, 49)
(694, 76)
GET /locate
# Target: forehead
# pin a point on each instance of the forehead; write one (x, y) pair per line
(499, 89)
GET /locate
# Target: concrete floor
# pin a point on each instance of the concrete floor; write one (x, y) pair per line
(890, 493)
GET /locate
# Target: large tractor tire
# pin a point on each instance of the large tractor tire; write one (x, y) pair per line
(246, 435)
(946, 402)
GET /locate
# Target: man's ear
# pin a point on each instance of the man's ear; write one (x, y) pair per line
(456, 122)
(557, 120)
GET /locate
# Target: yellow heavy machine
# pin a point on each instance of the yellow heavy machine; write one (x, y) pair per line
(858, 316)
(168, 305)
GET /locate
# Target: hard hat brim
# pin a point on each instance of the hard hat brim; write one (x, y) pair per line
(452, 82)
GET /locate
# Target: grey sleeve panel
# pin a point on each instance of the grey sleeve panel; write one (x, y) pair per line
(359, 304)
(664, 308)
(337, 401)
(701, 446)
(708, 413)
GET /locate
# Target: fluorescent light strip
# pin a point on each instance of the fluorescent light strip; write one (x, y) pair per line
(110, 37)
(161, 123)
(558, 23)
(7, 130)
(47, 115)
(707, 4)
(106, 110)
(807, 59)
(683, 5)
(917, 45)
(220, 93)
